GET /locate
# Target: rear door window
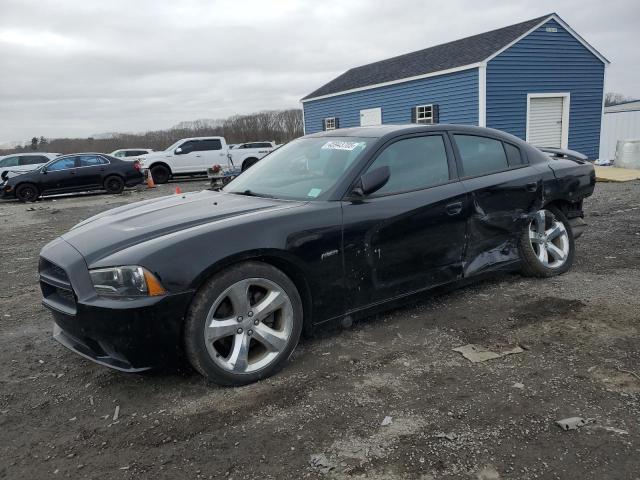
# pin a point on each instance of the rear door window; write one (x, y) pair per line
(91, 161)
(206, 145)
(33, 159)
(480, 155)
(62, 164)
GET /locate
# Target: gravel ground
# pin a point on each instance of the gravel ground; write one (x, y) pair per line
(325, 415)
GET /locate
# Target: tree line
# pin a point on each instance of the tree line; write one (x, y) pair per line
(272, 125)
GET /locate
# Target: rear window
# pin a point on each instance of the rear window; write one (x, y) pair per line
(33, 160)
(514, 156)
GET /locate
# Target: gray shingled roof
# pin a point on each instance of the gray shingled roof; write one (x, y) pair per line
(433, 59)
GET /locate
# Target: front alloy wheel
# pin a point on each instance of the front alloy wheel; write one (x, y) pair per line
(248, 325)
(244, 324)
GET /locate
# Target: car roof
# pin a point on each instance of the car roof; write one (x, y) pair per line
(380, 131)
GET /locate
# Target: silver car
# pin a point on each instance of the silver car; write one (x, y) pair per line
(11, 165)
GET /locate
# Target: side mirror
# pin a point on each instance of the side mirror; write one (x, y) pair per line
(44, 170)
(372, 181)
(178, 151)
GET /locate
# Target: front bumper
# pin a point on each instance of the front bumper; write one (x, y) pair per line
(4, 193)
(129, 335)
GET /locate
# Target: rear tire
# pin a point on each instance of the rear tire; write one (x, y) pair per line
(243, 324)
(27, 192)
(547, 246)
(248, 163)
(114, 184)
(160, 174)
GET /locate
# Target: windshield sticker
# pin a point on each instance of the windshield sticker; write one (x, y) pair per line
(337, 145)
(314, 192)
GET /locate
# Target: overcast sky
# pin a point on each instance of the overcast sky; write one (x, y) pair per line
(81, 67)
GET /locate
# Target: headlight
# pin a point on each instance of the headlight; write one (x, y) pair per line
(128, 281)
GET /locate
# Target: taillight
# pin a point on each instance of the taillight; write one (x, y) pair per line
(136, 165)
(216, 168)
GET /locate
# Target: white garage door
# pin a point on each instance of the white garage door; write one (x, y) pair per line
(371, 116)
(545, 121)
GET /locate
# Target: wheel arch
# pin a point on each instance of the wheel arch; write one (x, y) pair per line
(254, 160)
(26, 182)
(276, 258)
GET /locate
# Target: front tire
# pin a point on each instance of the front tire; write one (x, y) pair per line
(547, 246)
(27, 192)
(243, 324)
(160, 174)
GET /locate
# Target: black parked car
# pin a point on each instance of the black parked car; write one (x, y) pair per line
(330, 226)
(74, 173)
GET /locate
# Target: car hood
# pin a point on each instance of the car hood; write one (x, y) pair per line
(132, 224)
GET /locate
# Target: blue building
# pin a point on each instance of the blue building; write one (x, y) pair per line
(538, 80)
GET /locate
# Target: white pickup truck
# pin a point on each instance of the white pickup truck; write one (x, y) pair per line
(193, 156)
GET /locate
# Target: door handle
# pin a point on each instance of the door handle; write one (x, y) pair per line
(532, 187)
(198, 156)
(454, 208)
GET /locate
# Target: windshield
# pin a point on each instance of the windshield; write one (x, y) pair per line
(305, 169)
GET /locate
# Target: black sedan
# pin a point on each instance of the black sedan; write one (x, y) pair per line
(329, 227)
(74, 173)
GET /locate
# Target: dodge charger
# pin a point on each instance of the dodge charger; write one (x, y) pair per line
(330, 227)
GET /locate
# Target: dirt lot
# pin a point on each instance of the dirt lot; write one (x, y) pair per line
(322, 416)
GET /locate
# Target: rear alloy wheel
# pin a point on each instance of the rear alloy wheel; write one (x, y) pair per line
(547, 246)
(244, 324)
(114, 184)
(160, 174)
(27, 192)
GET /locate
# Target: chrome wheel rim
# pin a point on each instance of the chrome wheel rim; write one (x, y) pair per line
(549, 239)
(249, 325)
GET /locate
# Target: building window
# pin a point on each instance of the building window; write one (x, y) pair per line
(424, 114)
(330, 123)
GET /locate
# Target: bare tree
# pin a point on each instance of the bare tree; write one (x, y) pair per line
(272, 125)
(613, 98)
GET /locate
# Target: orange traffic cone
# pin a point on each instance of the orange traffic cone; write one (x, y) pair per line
(178, 191)
(150, 182)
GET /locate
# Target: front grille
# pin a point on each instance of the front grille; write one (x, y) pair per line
(57, 291)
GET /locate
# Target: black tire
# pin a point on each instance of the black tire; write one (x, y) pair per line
(194, 331)
(160, 174)
(531, 266)
(114, 184)
(248, 163)
(27, 192)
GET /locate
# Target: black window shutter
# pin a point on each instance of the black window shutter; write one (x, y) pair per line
(436, 113)
(336, 122)
(324, 125)
(414, 114)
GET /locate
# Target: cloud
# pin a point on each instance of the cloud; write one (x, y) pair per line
(76, 68)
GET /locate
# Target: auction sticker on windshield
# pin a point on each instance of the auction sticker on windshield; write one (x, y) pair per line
(314, 192)
(337, 145)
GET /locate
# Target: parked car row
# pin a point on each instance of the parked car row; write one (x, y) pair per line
(73, 173)
(27, 176)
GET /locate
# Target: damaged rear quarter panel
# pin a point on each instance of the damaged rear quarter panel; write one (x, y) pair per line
(502, 204)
